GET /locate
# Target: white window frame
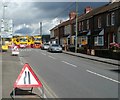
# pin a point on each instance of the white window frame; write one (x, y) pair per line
(113, 18)
(52, 34)
(99, 22)
(114, 38)
(74, 28)
(82, 25)
(96, 40)
(107, 20)
(67, 29)
(88, 25)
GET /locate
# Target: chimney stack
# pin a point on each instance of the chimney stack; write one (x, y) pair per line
(72, 15)
(87, 9)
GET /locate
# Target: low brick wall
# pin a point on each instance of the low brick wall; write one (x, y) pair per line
(108, 54)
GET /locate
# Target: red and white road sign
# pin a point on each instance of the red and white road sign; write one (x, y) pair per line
(27, 78)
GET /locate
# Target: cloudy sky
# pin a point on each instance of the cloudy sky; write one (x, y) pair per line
(27, 15)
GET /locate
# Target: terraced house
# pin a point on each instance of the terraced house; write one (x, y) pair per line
(97, 28)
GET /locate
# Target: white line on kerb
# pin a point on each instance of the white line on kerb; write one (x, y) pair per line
(51, 57)
(21, 62)
(69, 63)
(103, 76)
(42, 92)
(46, 87)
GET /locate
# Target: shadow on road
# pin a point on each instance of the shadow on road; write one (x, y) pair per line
(116, 70)
(23, 93)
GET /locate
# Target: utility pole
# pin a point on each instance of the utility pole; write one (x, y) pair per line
(40, 24)
(76, 27)
(41, 28)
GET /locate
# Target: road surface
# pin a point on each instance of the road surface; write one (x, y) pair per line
(66, 76)
(10, 69)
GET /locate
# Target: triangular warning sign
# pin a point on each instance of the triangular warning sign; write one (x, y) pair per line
(27, 78)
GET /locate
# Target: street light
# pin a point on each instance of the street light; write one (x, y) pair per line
(4, 6)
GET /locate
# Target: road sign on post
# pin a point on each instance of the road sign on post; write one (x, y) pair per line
(27, 78)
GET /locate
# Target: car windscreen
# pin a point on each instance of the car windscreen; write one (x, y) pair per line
(46, 44)
(23, 40)
(55, 45)
(37, 39)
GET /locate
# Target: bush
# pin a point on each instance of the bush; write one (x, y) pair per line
(72, 48)
(114, 46)
(79, 49)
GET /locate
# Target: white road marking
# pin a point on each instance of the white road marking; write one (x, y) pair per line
(22, 50)
(51, 57)
(21, 62)
(43, 96)
(46, 87)
(43, 53)
(69, 64)
(103, 76)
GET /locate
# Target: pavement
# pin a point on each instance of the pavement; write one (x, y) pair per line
(95, 58)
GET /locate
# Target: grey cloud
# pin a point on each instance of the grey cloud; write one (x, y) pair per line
(34, 12)
(51, 9)
(24, 30)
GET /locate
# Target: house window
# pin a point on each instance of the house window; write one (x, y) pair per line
(113, 38)
(108, 20)
(99, 40)
(82, 25)
(84, 40)
(79, 26)
(67, 30)
(74, 27)
(95, 41)
(87, 24)
(113, 18)
(99, 22)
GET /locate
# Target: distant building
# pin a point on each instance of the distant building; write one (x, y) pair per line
(45, 38)
(6, 28)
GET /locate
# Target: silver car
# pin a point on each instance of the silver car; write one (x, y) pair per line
(55, 48)
(45, 46)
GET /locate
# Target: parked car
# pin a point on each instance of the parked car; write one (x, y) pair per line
(4, 46)
(15, 51)
(45, 46)
(55, 48)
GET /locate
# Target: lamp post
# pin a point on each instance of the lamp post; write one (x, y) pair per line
(76, 27)
(4, 6)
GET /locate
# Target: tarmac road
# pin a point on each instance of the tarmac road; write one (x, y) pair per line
(72, 77)
(11, 68)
